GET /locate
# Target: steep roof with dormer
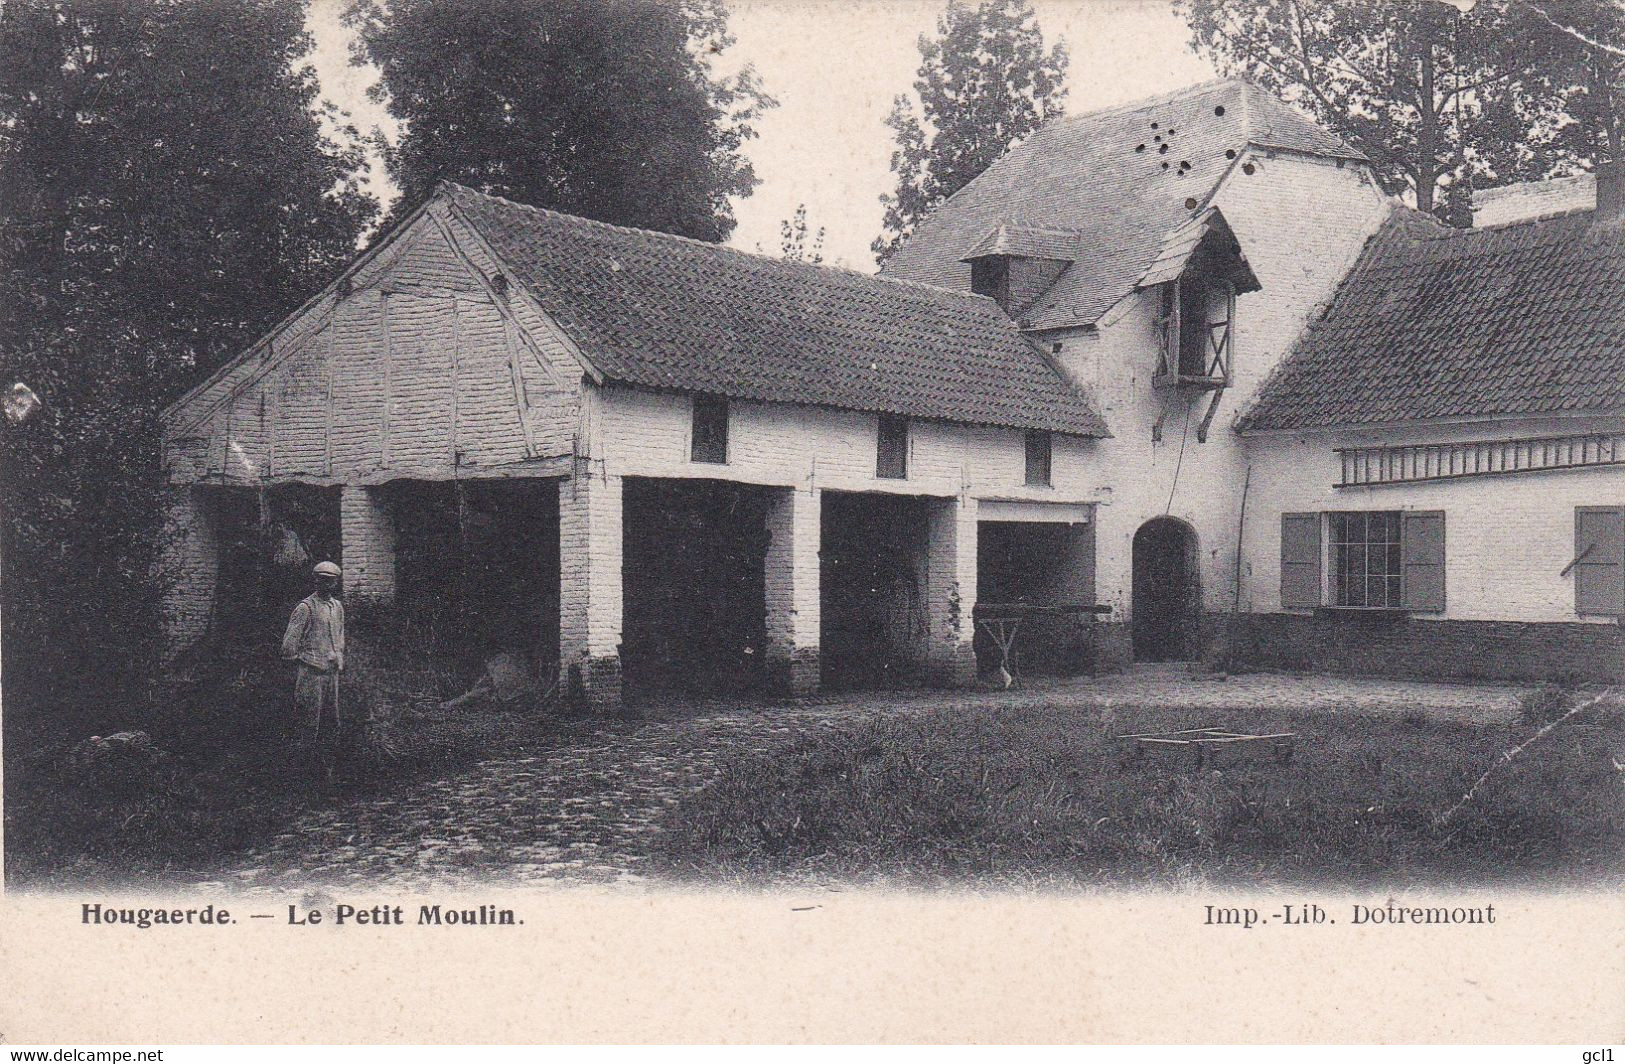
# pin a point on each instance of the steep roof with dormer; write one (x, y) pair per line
(1117, 182)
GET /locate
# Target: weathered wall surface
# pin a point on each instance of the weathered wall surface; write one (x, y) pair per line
(1301, 222)
(1534, 199)
(808, 451)
(1417, 647)
(641, 433)
(191, 565)
(1507, 537)
(412, 370)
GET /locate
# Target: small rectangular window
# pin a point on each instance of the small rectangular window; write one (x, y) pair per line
(1038, 458)
(1365, 559)
(710, 430)
(891, 453)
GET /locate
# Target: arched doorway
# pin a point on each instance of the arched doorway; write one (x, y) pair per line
(1167, 599)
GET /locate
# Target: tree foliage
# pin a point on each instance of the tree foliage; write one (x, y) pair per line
(1584, 41)
(612, 109)
(984, 82)
(797, 239)
(1440, 96)
(172, 188)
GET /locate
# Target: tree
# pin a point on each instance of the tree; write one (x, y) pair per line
(172, 189)
(1586, 42)
(797, 241)
(1437, 95)
(984, 82)
(605, 108)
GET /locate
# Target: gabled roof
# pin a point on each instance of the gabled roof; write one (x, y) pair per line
(1181, 245)
(1435, 322)
(1120, 179)
(660, 311)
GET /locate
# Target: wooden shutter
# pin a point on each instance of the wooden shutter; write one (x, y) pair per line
(710, 435)
(891, 457)
(1599, 571)
(1300, 561)
(1421, 559)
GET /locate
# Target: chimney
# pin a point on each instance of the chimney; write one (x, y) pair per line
(1610, 191)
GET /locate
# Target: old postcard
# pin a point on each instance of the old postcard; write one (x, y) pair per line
(775, 521)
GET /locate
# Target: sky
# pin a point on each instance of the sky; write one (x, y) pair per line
(835, 66)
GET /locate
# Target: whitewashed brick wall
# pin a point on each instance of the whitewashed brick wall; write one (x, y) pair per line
(191, 566)
(1302, 223)
(590, 509)
(791, 572)
(367, 529)
(1534, 199)
(638, 433)
(1507, 538)
(950, 590)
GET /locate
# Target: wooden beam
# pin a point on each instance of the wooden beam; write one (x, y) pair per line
(520, 401)
(389, 382)
(456, 372)
(327, 412)
(539, 468)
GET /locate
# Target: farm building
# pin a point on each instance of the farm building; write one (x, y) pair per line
(1182, 361)
(684, 460)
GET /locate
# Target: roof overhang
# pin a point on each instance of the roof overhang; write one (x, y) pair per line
(1601, 418)
(1027, 242)
(1206, 232)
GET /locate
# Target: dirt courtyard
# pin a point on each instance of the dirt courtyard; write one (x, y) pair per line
(586, 811)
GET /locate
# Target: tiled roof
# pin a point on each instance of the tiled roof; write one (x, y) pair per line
(661, 311)
(1180, 245)
(1434, 322)
(1057, 244)
(1119, 178)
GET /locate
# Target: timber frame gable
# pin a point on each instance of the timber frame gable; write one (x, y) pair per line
(422, 359)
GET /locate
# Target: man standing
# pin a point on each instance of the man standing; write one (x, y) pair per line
(315, 640)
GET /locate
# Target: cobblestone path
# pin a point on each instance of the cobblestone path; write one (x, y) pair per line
(583, 812)
(586, 810)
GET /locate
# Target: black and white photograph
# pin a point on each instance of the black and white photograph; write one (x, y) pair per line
(997, 450)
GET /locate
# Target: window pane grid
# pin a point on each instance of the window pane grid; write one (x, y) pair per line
(1365, 563)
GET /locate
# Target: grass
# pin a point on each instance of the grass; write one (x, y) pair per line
(1043, 797)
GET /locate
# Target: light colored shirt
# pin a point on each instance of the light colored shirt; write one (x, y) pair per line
(315, 633)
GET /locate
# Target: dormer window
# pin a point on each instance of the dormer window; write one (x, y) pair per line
(990, 276)
(1195, 279)
(1194, 331)
(1014, 265)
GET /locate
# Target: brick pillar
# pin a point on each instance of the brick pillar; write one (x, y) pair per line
(950, 591)
(793, 526)
(191, 567)
(590, 589)
(367, 535)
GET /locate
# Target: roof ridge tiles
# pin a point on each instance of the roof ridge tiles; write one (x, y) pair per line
(1161, 99)
(754, 256)
(654, 310)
